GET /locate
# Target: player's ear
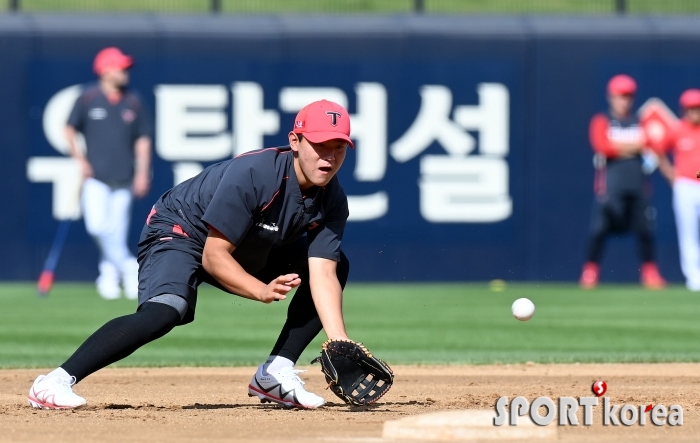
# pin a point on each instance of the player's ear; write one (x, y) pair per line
(294, 140)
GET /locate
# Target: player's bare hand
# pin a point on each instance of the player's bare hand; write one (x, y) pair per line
(278, 288)
(86, 168)
(140, 185)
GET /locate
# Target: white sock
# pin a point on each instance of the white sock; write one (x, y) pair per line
(276, 363)
(58, 372)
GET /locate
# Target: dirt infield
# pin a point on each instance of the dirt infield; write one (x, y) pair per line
(211, 404)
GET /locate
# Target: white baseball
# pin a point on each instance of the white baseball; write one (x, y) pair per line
(523, 309)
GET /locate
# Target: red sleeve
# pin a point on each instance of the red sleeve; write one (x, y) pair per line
(669, 142)
(661, 145)
(598, 133)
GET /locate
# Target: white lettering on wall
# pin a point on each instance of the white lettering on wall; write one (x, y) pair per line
(468, 184)
(458, 187)
(65, 176)
(251, 121)
(191, 122)
(56, 115)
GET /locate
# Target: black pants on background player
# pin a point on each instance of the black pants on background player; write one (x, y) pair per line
(121, 336)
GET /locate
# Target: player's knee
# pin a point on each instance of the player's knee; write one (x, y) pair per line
(343, 269)
(100, 229)
(95, 229)
(159, 317)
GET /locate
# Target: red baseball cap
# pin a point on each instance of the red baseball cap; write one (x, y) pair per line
(111, 58)
(690, 98)
(322, 121)
(622, 84)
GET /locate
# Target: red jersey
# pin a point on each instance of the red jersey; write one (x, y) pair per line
(684, 143)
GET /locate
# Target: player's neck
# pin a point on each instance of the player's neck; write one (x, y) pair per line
(620, 116)
(693, 123)
(111, 91)
(304, 183)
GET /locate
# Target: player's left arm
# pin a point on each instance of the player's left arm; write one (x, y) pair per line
(661, 148)
(142, 173)
(328, 296)
(666, 168)
(324, 255)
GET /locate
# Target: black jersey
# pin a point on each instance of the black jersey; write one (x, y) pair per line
(110, 130)
(622, 175)
(255, 201)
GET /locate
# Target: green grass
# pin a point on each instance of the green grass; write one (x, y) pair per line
(403, 323)
(362, 6)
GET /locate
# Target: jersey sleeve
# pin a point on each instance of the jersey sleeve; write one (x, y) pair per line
(233, 204)
(76, 118)
(325, 240)
(668, 143)
(598, 134)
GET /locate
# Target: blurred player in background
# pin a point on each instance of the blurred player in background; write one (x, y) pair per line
(621, 168)
(115, 168)
(683, 142)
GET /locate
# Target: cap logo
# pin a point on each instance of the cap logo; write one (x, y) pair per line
(299, 124)
(334, 117)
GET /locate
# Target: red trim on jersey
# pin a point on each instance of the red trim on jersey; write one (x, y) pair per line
(114, 97)
(271, 200)
(273, 195)
(178, 230)
(260, 151)
(598, 134)
(150, 215)
(90, 94)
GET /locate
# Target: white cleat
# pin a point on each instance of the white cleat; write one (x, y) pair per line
(131, 289)
(283, 387)
(130, 280)
(54, 393)
(108, 281)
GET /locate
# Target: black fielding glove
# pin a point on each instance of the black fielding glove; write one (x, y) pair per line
(353, 373)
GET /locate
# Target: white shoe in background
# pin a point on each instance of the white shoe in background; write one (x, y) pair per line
(130, 279)
(108, 281)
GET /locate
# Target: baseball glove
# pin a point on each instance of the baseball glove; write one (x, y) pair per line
(353, 373)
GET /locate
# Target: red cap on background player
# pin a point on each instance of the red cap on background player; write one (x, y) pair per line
(690, 98)
(111, 58)
(322, 121)
(622, 84)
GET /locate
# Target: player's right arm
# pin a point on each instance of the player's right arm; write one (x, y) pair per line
(661, 149)
(75, 122)
(220, 264)
(598, 134)
(230, 216)
(666, 168)
(77, 153)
